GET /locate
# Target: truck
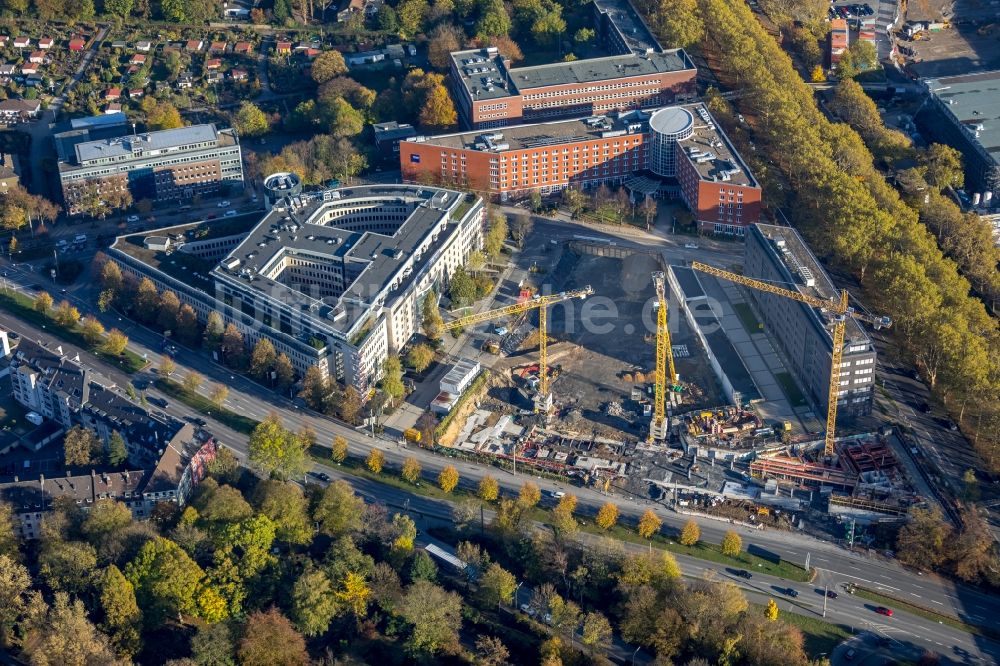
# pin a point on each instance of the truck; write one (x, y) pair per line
(491, 346)
(412, 435)
(34, 417)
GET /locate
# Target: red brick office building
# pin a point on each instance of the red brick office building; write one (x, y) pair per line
(489, 93)
(679, 147)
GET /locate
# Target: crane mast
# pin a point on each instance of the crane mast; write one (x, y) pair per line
(543, 399)
(664, 361)
(841, 310)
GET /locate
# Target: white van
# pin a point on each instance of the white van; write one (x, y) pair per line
(80, 238)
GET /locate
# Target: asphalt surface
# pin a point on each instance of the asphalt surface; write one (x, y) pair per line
(837, 565)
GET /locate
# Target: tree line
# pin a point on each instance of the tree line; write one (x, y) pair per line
(853, 218)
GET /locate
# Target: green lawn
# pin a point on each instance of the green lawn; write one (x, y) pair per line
(237, 422)
(703, 551)
(12, 415)
(820, 636)
(791, 389)
(22, 307)
(747, 318)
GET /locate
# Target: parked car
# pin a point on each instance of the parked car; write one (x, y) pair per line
(223, 204)
(231, 213)
(743, 573)
(132, 219)
(691, 246)
(882, 610)
(850, 654)
(792, 592)
(159, 402)
(323, 476)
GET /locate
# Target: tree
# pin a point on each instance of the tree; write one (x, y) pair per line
(338, 451)
(287, 507)
(497, 585)
(679, 23)
(350, 405)
(122, 618)
(491, 651)
(15, 583)
(269, 639)
(435, 615)
(649, 525)
(313, 602)
(219, 394)
(489, 489)
(772, 610)
(250, 121)
(166, 580)
(327, 65)
(520, 227)
(192, 382)
(91, 330)
(79, 446)
(431, 323)
(233, 346)
(943, 166)
(529, 495)
(438, 112)
(49, 629)
(170, 305)
(315, 388)
(462, 289)
(66, 315)
(213, 645)
(163, 115)
(732, 544)
(8, 538)
(495, 237)
(278, 451)
(392, 378)
(596, 630)
(354, 593)
(411, 470)
(690, 533)
(607, 516)
(120, 8)
(111, 276)
(448, 478)
(225, 467)
(114, 343)
(42, 303)
(117, 451)
(146, 301)
(167, 366)
(443, 40)
(375, 461)
(419, 357)
(284, 374)
(412, 14)
(423, 567)
(338, 510)
(494, 21)
(817, 75)
(214, 328)
(262, 358)
(922, 542)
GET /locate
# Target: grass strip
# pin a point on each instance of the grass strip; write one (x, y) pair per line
(23, 307)
(747, 318)
(926, 613)
(230, 419)
(790, 389)
(702, 551)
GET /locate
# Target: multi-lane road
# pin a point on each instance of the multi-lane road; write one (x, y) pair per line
(835, 565)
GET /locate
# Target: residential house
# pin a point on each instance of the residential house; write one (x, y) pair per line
(145, 46)
(76, 44)
(22, 42)
(4, 39)
(218, 47)
(213, 63)
(185, 80)
(119, 44)
(29, 68)
(214, 76)
(283, 48)
(243, 48)
(37, 57)
(8, 70)
(45, 381)
(137, 59)
(136, 93)
(10, 171)
(351, 8)
(239, 74)
(46, 43)
(113, 94)
(194, 45)
(114, 107)
(364, 58)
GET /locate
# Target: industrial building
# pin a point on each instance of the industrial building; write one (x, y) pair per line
(684, 151)
(964, 112)
(167, 165)
(780, 256)
(334, 279)
(489, 93)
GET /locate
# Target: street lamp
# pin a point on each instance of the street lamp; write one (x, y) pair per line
(516, 590)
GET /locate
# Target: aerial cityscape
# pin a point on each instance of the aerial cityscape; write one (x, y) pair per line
(500, 332)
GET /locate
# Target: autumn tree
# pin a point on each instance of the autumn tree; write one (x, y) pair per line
(262, 358)
(431, 322)
(287, 507)
(313, 602)
(497, 585)
(214, 329)
(122, 618)
(218, 395)
(444, 40)
(690, 533)
(91, 330)
(250, 121)
(166, 580)
(269, 639)
(732, 544)
(529, 495)
(48, 629)
(411, 470)
(327, 65)
(419, 357)
(278, 451)
(192, 382)
(649, 526)
(922, 542)
(435, 617)
(80, 446)
(392, 378)
(338, 510)
(42, 303)
(338, 450)
(375, 461)
(162, 115)
(115, 343)
(448, 478)
(607, 516)
(233, 347)
(489, 489)
(772, 610)
(438, 113)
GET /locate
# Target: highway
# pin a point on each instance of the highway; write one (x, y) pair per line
(837, 565)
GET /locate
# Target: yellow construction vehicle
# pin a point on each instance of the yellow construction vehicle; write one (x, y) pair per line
(412, 435)
(543, 401)
(664, 362)
(841, 310)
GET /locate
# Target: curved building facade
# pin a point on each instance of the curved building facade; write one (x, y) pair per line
(667, 127)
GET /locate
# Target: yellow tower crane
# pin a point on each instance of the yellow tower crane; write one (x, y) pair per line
(840, 309)
(543, 400)
(664, 362)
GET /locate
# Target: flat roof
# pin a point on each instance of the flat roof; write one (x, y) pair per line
(485, 76)
(370, 261)
(973, 99)
(629, 24)
(710, 152)
(126, 146)
(789, 250)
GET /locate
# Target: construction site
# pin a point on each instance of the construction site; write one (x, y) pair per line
(639, 387)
